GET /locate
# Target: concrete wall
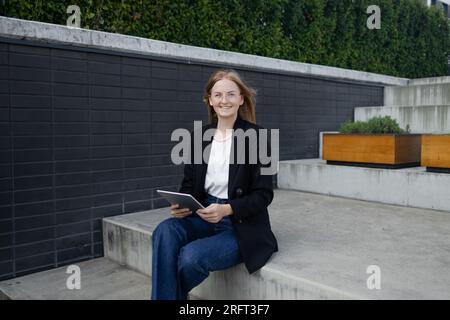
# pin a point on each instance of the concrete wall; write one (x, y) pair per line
(421, 119)
(85, 128)
(431, 94)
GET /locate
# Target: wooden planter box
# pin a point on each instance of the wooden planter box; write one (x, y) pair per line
(372, 150)
(436, 152)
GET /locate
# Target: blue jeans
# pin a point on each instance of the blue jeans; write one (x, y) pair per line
(186, 249)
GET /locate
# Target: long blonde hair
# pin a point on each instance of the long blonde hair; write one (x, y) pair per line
(246, 110)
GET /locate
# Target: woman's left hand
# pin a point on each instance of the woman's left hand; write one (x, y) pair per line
(215, 212)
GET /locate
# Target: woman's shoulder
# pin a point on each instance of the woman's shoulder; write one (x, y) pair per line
(251, 125)
(243, 124)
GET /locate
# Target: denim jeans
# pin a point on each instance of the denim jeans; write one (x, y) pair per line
(186, 249)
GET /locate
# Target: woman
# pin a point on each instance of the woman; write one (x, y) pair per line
(234, 227)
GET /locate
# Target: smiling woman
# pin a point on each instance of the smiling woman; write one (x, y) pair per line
(226, 99)
(225, 88)
(234, 226)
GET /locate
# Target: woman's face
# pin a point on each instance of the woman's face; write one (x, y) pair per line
(226, 98)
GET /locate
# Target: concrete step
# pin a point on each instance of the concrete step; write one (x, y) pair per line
(418, 95)
(326, 245)
(421, 119)
(100, 279)
(412, 187)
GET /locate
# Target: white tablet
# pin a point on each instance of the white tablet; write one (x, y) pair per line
(185, 200)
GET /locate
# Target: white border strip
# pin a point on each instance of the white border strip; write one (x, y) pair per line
(53, 33)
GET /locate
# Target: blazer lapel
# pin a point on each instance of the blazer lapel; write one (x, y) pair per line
(204, 165)
(233, 167)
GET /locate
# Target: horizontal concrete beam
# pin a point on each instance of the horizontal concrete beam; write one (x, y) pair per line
(412, 187)
(421, 119)
(52, 33)
(433, 80)
(417, 95)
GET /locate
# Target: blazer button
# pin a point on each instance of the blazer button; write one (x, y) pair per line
(239, 192)
(240, 221)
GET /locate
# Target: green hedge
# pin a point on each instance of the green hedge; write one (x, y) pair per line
(373, 126)
(414, 41)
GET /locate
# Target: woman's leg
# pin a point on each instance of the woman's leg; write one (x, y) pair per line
(199, 257)
(167, 240)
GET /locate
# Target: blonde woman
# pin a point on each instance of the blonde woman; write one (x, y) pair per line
(234, 227)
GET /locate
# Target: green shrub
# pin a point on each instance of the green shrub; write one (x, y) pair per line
(413, 42)
(373, 126)
(353, 127)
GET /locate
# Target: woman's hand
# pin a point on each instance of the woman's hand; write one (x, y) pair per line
(215, 212)
(179, 213)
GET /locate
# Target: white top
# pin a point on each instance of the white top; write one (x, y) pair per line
(216, 180)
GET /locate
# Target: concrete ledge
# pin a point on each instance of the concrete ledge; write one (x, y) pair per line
(52, 33)
(326, 245)
(421, 119)
(129, 244)
(412, 187)
(127, 238)
(266, 284)
(432, 80)
(432, 94)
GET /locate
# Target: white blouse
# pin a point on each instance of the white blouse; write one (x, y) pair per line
(216, 180)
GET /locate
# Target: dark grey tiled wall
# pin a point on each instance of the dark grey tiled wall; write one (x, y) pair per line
(86, 134)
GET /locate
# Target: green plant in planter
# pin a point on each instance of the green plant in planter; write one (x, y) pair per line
(376, 125)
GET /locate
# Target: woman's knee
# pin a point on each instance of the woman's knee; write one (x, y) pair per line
(190, 259)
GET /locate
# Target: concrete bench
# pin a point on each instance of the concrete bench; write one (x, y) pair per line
(326, 246)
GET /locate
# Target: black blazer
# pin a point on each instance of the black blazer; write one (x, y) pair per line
(249, 194)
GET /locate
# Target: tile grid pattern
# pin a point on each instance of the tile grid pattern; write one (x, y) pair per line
(86, 134)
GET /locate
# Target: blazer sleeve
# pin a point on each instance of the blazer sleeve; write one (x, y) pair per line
(260, 192)
(187, 184)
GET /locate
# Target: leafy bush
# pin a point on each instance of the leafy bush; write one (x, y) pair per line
(353, 127)
(414, 40)
(373, 126)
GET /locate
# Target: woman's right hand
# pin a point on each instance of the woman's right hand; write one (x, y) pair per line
(179, 213)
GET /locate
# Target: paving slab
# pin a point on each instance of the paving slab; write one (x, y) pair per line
(100, 279)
